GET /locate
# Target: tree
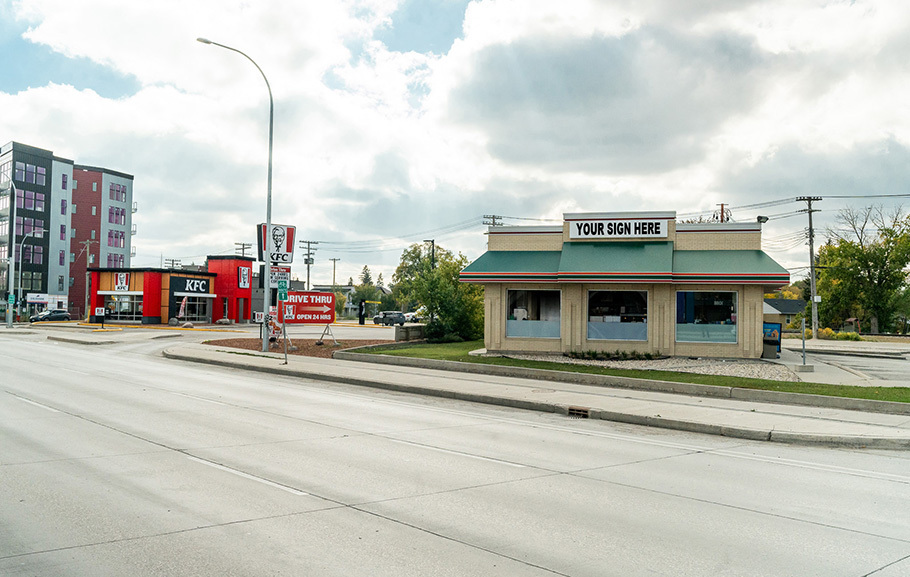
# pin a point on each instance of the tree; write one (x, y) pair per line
(365, 276)
(861, 267)
(455, 308)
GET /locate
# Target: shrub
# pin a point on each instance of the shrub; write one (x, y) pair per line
(847, 337)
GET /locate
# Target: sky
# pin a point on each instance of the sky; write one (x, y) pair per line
(400, 121)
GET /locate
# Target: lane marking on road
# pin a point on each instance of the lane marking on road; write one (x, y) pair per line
(200, 398)
(24, 400)
(459, 453)
(247, 476)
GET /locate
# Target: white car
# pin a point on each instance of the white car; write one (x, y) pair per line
(411, 317)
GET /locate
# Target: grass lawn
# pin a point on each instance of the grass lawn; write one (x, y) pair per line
(459, 352)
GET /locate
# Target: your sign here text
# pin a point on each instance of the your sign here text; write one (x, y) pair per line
(618, 229)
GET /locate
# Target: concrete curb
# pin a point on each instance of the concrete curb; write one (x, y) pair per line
(690, 389)
(851, 353)
(651, 421)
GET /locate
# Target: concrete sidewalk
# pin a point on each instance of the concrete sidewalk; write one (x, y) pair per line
(739, 413)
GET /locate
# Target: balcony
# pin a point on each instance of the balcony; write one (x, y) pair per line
(132, 252)
(133, 231)
(135, 207)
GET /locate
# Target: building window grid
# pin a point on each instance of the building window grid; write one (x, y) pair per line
(706, 316)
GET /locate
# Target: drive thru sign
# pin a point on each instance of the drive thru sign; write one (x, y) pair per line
(308, 308)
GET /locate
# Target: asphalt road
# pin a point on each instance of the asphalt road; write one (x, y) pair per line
(114, 461)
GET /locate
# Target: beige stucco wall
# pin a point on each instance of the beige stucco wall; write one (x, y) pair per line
(661, 321)
(718, 241)
(540, 241)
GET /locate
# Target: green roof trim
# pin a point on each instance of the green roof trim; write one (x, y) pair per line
(627, 262)
(648, 262)
(727, 267)
(513, 266)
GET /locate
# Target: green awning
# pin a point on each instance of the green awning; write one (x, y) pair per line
(513, 266)
(627, 262)
(727, 267)
(616, 262)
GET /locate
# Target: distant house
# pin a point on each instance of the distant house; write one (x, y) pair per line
(782, 311)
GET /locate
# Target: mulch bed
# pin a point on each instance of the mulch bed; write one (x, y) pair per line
(305, 347)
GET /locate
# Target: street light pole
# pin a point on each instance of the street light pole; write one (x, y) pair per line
(21, 256)
(267, 281)
(11, 261)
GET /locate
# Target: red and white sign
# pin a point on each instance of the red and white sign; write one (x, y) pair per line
(308, 308)
(121, 281)
(277, 242)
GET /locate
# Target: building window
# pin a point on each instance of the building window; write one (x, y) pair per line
(123, 307)
(94, 187)
(705, 317)
(62, 232)
(93, 210)
(533, 313)
(60, 283)
(64, 181)
(42, 176)
(93, 235)
(63, 206)
(618, 315)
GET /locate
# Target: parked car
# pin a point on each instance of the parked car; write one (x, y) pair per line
(389, 318)
(411, 317)
(50, 315)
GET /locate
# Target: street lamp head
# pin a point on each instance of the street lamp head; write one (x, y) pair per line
(762, 219)
(204, 40)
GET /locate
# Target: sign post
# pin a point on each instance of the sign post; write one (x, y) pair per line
(99, 312)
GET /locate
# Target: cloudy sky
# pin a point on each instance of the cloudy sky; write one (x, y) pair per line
(403, 120)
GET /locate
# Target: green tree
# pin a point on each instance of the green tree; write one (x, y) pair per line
(455, 308)
(365, 276)
(861, 268)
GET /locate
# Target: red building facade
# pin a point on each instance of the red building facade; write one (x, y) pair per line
(154, 296)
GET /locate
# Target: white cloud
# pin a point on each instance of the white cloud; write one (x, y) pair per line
(538, 108)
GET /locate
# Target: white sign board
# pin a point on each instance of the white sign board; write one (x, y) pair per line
(618, 228)
(279, 273)
(37, 298)
(99, 311)
(277, 242)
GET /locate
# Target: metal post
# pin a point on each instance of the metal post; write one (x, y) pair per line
(804, 339)
(11, 261)
(267, 281)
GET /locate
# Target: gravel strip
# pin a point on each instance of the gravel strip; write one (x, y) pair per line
(754, 369)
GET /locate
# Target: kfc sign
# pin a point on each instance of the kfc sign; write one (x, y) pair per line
(276, 245)
(243, 277)
(121, 282)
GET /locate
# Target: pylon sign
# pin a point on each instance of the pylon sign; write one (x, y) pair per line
(314, 308)
(276, 244)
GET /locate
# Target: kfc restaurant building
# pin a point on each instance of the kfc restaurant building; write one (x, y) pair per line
(626, 281)
(154, 296)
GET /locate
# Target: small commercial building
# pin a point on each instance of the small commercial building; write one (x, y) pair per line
(154, 296)
(626, 281)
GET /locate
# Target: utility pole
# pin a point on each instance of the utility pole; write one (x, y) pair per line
(308, 258)
(723, 212)
(242, 247)
(87, 249)
(490, 220)
(334, 261)
(432, 253)
(808, 200)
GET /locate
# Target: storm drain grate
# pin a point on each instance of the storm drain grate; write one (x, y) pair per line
(579, 413)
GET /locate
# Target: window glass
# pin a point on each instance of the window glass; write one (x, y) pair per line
(618, 315)
(64, 181)
(705, 317)
(20, 171)
(42, 176)
(533, 313)
(63, 206)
